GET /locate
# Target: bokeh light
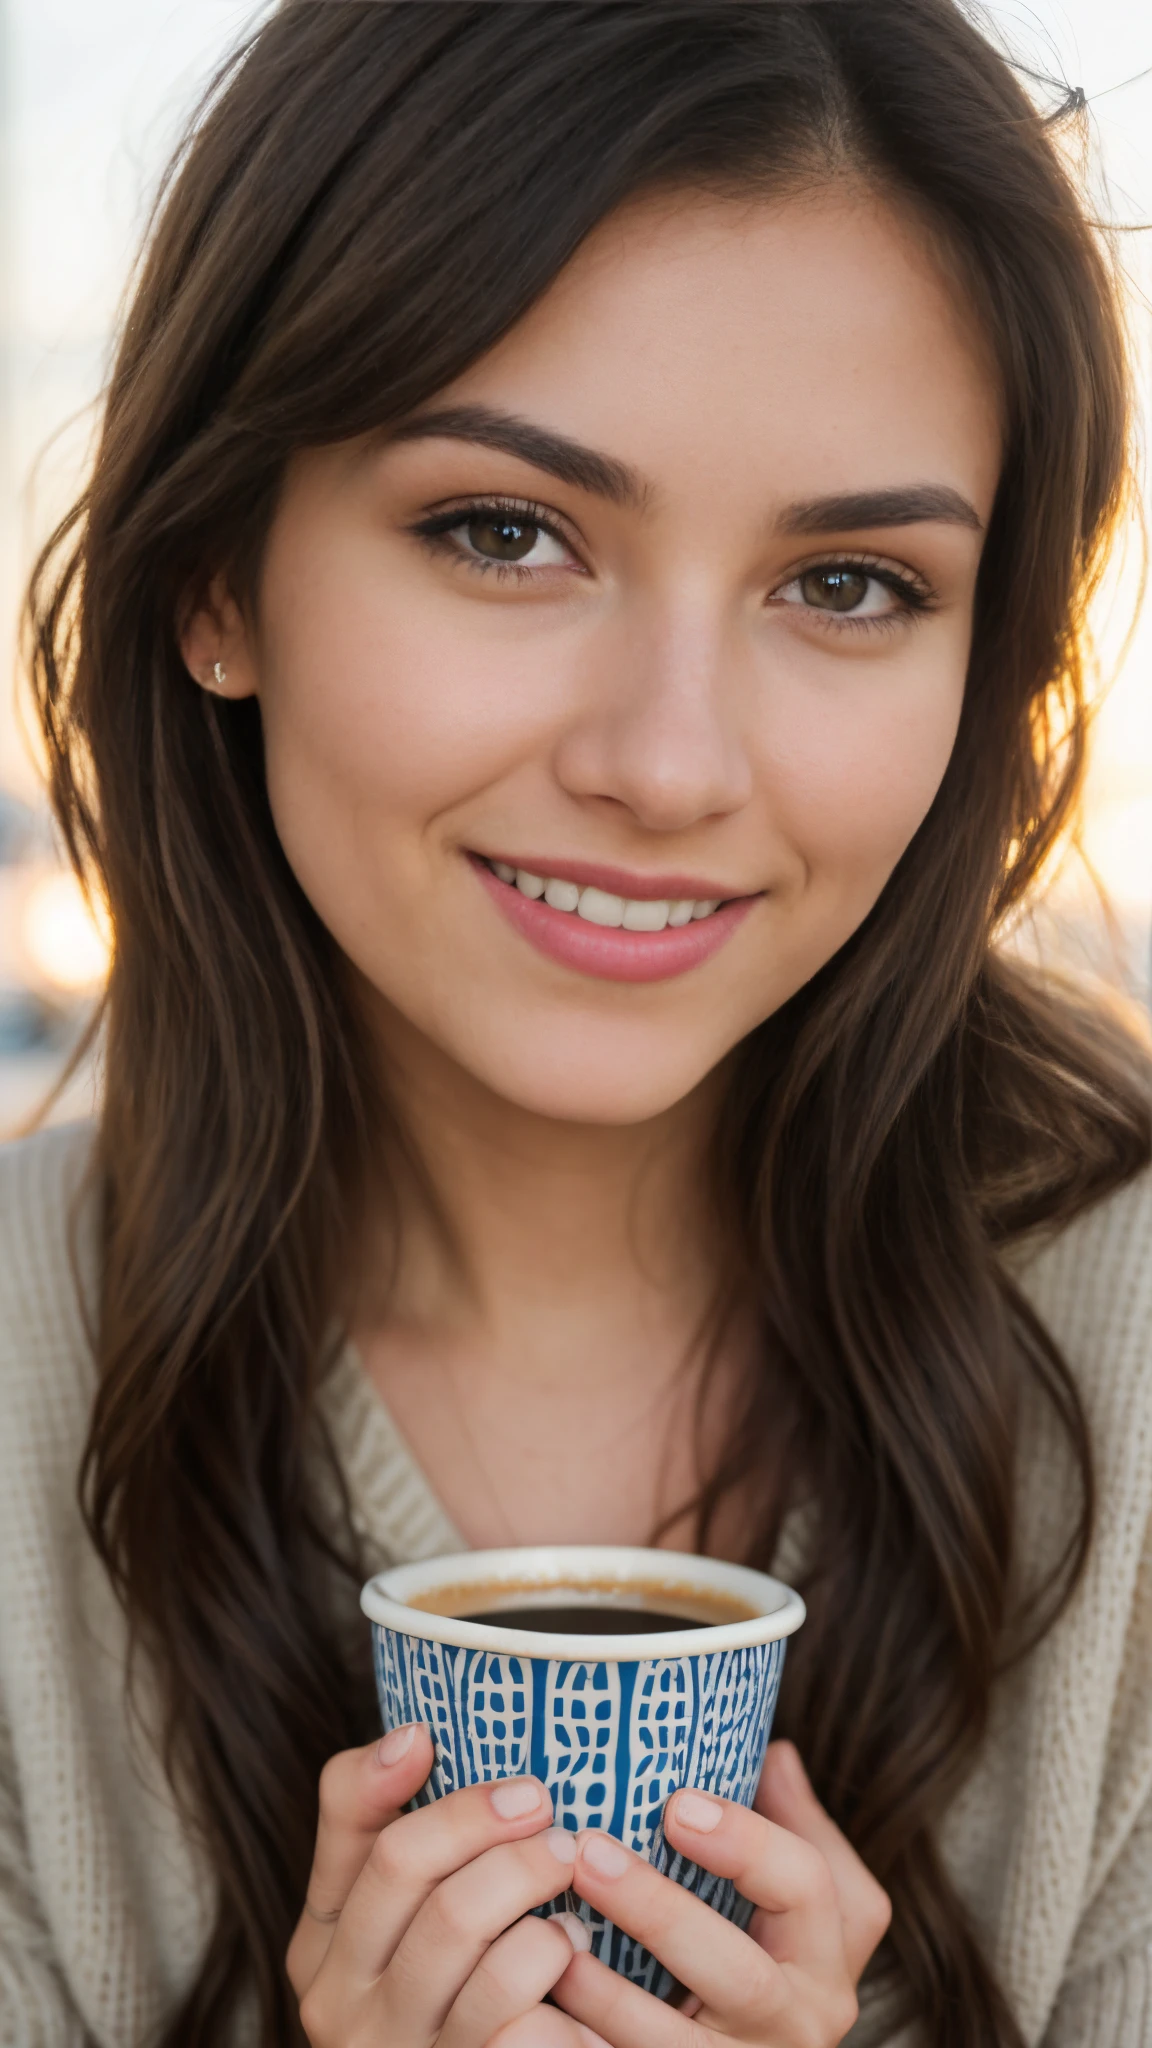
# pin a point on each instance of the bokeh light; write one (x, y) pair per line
(95, 98)
(67, 940)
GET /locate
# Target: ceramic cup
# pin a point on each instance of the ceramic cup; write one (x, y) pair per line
(611, 1724)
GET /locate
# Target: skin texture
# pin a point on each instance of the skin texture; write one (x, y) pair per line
(409, 1933)
(644, 705)
(658, 690)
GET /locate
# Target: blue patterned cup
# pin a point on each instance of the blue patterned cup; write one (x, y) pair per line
(611, 1724)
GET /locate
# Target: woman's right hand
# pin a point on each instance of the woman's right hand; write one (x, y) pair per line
(413, 1930)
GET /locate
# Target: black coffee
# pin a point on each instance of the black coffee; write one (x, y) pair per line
(585, 1621)
(635, 1607)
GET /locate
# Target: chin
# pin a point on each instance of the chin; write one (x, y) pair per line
(594, 1082)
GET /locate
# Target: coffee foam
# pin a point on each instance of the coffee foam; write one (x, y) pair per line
(696, 1604)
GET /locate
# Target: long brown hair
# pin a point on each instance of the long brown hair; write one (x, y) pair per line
(372, 194)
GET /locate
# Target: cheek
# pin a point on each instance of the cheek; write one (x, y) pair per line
(380, 712)
(853, 769)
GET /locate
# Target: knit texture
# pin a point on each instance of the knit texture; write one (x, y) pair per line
(105, 1904)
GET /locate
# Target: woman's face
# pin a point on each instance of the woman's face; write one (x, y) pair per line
(665, 602)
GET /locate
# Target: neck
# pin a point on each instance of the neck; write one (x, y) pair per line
(539, 1279)
(508, 1217)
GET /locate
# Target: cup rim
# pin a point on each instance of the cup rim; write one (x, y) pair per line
(384, 1599)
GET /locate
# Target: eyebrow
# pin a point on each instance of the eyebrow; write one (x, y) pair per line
(900, 505)
(605, 476)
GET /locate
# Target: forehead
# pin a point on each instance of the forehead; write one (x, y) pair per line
(808, 342)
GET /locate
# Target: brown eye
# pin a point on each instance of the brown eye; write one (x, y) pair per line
(834, 590)
(502, 540)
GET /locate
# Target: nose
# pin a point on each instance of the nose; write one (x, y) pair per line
(660, 730)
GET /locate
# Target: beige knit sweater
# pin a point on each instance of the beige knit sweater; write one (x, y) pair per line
(104, 1905)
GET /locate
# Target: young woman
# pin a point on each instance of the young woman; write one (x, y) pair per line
(570, 655)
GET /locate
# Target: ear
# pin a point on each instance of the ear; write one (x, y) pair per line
(215, 642)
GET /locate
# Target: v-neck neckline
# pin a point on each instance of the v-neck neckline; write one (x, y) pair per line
(394, 1507)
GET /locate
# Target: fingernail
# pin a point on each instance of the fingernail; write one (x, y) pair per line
(696, 1811)
(605, 1856)
(562, 1843)
(515, 1797)
(789, 1756)
(395, 1744)
(578, 1931)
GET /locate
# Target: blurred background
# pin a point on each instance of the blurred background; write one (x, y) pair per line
(95, 93)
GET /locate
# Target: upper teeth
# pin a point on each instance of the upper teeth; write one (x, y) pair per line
(635, 913)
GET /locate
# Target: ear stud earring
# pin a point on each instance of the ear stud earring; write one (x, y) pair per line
(219, 676)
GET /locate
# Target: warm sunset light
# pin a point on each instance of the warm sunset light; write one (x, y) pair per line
(1118, 843)
(67, 943)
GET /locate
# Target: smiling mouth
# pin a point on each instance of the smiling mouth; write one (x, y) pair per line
(602, 907)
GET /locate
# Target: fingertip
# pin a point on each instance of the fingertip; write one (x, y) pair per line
(397, 1763)
(696, 1813)
(784, 1780)
(786, 1757)
(397, 1744)
(783, 1775)
(514, 1799)
(357, 1790)
(577, 1930)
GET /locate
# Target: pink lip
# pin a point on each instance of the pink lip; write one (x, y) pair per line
(610, 953)
(590, 874)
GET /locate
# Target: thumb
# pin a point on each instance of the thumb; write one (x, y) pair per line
(785, 1795)
(361, 1791)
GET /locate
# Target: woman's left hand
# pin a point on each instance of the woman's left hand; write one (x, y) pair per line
(790, 1982)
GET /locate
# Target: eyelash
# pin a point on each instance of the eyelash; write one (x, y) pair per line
(914, 596)
(435, 529)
